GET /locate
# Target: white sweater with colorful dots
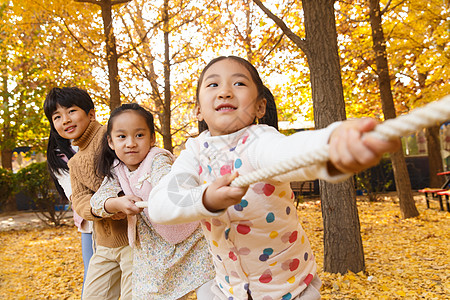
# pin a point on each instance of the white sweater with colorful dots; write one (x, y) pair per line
(258, 245)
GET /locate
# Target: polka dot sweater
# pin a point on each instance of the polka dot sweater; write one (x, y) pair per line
(259, 247)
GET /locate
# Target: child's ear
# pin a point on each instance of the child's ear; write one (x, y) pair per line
(261, 108)
(91, 115)
(153, 140)
(199, 113)
(110, 143)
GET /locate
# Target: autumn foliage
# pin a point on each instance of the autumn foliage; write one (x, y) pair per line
(405, 259)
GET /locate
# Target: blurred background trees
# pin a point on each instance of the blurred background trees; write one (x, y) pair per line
(162, 46)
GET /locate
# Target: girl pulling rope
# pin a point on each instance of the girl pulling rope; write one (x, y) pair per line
(260, 250)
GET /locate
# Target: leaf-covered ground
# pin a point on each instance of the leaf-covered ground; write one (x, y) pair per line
(405, 259)
(41, 264)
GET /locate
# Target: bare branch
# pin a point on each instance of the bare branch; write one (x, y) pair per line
(182, 103)
(114, 2)
(148, 74)
(274, 46)
(301, 43)
(179, 61)
(369, 65)
(386, 7)
(100, 2)
(179, 129)
(78, 41)
(348, 18)
(89, 1)
(236, 27)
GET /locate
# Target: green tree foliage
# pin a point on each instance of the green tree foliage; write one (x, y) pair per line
(22, 81)
(35, 181)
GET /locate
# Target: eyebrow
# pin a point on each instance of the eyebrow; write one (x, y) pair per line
(58, 112)
(234, 75)
(137, 129)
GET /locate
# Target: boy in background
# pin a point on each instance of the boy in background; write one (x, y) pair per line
(110, 268)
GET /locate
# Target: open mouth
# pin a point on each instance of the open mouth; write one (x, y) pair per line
(225, 107)
(70, 129)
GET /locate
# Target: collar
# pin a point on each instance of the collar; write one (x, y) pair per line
(85, 139)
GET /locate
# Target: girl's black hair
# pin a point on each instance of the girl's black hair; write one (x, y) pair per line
(57, 148)
(270, 117)
(105, 160)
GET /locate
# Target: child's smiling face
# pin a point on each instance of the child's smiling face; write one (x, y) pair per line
(228, 98)
(71, 122)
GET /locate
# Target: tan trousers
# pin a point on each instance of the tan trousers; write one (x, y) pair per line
(109, 274)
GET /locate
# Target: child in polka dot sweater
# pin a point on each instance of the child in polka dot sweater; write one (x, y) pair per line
(259, 248)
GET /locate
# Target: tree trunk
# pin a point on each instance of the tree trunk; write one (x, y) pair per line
(248, 31)
(111, 50)
(403, 184)
(6, 141)
(342, 237)
(407, 206)
(343, 248)
(7, 158)
(433, 145)
(10, 204)
(147, 60)
(111, 54)
(165, 122)
(434, 156)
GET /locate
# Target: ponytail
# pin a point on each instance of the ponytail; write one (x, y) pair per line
(104, 161)
(270, 117)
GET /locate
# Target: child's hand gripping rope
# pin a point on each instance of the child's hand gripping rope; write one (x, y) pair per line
(351, 150)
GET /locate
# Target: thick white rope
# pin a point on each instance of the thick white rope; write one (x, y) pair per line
(429, 115)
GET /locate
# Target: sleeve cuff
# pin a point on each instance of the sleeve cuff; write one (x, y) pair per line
(200, 207)
(109, 188)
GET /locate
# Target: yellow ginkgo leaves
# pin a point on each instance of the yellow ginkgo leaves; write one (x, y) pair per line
(405, 259)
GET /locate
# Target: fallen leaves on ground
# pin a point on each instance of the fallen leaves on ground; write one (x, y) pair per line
(41, 264)
(405, 259)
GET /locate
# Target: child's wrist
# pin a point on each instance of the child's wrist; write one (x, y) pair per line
(207, 203)
(109, 207)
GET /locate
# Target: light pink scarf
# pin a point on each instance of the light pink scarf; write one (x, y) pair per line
(138, 184)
